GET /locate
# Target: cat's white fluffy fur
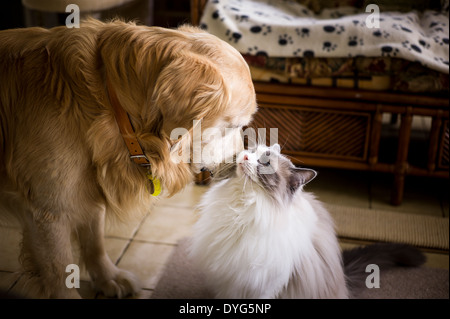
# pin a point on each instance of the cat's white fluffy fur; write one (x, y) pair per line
(250, 246)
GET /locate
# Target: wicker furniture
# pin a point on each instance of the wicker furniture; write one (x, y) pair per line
(343, 128)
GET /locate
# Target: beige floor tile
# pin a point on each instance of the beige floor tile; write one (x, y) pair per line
(443, 187)
(86, 291)
(421, 126)
(143, 294)
(435, 260)
(188, 197)
(167, 225)
(10, 239)
(445, 206)
(340, 187)
(7, 279)
(124, 230)
(115, 248)
(419, 123)
(18, 291)
(146, 260)
(420, 197)
(386, 119)
(10, 223)
(426, 122)
(21, 288)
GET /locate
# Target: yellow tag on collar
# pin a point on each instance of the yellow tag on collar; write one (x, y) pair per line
(154, 185)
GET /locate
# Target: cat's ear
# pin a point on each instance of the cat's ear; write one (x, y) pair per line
(300, 177)
(276, 147)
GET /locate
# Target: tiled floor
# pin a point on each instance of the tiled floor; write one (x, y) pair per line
(141, 247)
(145, 245)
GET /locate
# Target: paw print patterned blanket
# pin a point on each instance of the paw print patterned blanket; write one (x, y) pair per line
(283, 28)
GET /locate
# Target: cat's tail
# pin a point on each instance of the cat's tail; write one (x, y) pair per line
(383, 255)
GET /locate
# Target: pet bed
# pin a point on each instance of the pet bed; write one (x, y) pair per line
(297, 45)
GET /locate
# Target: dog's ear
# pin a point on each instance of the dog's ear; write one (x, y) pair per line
(190, 88)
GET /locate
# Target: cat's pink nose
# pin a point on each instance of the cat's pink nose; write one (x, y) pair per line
(245, 157)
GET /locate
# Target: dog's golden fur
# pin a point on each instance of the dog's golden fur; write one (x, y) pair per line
(64, 164)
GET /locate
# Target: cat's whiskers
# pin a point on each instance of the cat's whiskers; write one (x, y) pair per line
(248, 179)
(244, 184)
(223, 171)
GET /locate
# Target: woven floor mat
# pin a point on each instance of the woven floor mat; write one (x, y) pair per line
(377, 225)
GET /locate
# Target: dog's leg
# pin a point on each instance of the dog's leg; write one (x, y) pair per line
(106, 277)
(46, 252)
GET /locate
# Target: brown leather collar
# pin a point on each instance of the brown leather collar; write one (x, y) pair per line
(126, 129)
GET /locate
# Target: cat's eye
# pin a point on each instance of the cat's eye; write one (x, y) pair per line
(264, 163)
(265, 159)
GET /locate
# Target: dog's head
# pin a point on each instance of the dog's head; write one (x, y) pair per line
(187, 92)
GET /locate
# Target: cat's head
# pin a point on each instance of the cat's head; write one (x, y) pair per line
(273, 172)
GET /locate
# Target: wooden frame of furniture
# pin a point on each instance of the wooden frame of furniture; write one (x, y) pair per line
(342, 128)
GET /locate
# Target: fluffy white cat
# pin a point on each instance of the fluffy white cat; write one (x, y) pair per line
(259, 235)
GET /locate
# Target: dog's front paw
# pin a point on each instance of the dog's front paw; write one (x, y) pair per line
(122, 284)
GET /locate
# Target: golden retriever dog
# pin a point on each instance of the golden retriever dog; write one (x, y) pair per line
(64, 164)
